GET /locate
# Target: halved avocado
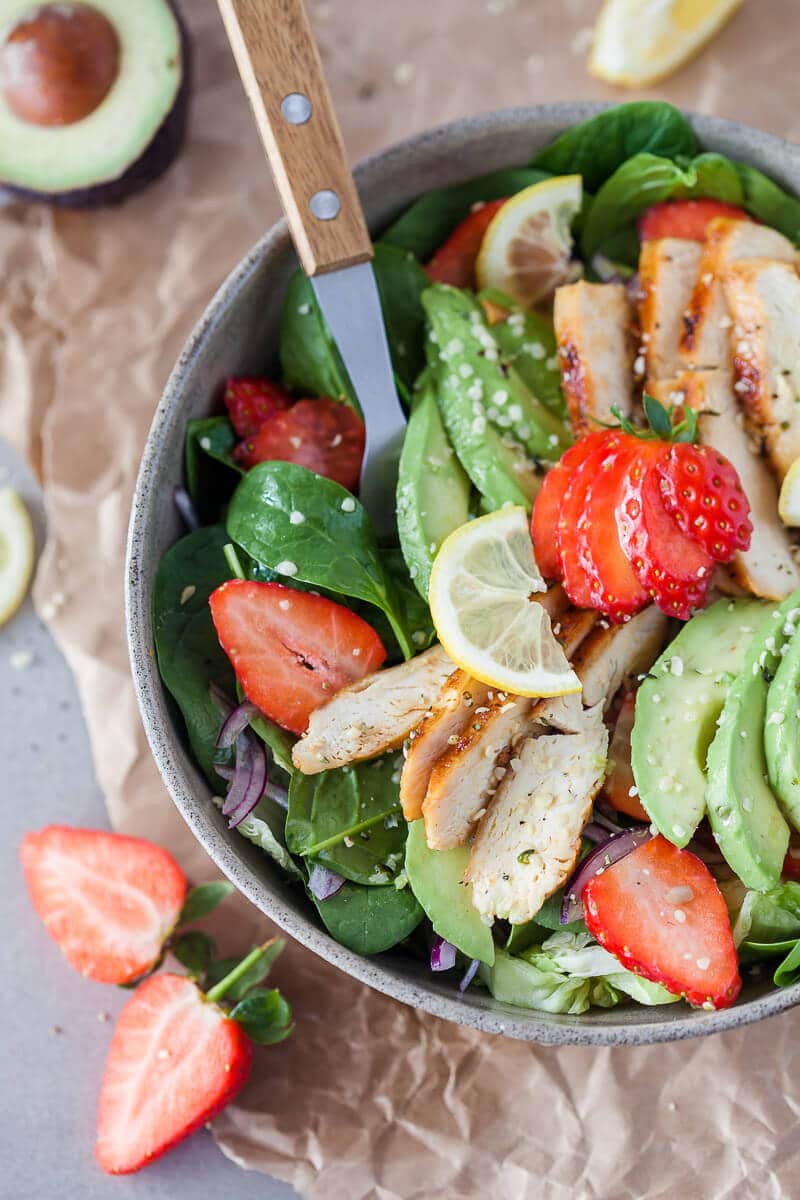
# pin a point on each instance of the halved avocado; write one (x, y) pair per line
(93, 97)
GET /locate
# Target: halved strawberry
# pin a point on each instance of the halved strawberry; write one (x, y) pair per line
(660, 912)
(685, 218)
(454, 261)
(109, 901)
(701, 490)
(619, 787)
(291, 651)
(675, 570)
(250, 400)
(621, 594)
(323, 435)
(547, 506)
(578, 573)
(175, 1061)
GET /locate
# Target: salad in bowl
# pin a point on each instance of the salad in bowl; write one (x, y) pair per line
(546, 740)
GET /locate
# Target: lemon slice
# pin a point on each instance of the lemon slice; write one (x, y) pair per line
(637, 42)
(526, 249)
(16, 552)
(481, 596)
(789, 498)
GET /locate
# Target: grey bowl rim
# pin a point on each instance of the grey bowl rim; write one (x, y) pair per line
(501, 1019)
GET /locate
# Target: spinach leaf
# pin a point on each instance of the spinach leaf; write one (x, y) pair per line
(310, 362)
(369, 920)
(349, 820)
(277, 740)
(424, 226)
(597, 147)
(189, 654)
(211, 471)
(648, 179)
(788, 971)
(333, 547)
(769, 202)
(417, 614)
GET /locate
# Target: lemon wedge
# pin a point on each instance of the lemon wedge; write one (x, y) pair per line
(481, 595)
(789, 498)
(526, 249)
(16, 552)
(638, 42)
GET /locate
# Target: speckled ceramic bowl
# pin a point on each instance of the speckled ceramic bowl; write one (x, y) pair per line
(238, 335)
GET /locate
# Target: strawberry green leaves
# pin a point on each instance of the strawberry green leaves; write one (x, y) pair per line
(265, 1016)
(203, 899)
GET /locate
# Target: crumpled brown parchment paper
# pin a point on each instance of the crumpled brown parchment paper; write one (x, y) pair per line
(369, 1098)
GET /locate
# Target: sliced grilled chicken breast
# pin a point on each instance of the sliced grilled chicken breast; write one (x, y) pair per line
(667, 272)
(611, 657)
(593, 323)
(527, 843)
(764, 299)
(374, 715)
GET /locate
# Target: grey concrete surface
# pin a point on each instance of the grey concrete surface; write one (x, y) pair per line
(55, 1026)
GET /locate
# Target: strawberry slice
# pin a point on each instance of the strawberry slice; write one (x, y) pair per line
(674, 568)
(660, 912)
(454, 261)
(701, 490)
(578, 572)
(621, 594)
(323, 435)
(619, 787)
(109, 901)
(251, 400)
(685, 219)
(175, 1061)
(291, 651)
(547, 506)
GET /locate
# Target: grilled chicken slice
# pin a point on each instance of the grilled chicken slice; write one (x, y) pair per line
(593, 324)
(372, 716)
(611, 657)
(445, 723)
(667, 272)
(527, 843)
(767, 569)
(449, 716)
(463, 779)
(764, 299)
(706, 334)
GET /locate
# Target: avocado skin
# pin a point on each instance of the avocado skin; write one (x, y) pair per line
(149, 166)
(782, 728)
(744, 814)
(668, 746)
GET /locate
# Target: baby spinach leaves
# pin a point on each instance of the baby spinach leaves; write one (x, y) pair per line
(769, 202)
(424, 226)
(349, 820)
(369, 920)
(189, 654)
(597, 147)
(211, 471)
(331, 545)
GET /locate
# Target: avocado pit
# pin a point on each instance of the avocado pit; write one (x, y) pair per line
(58, 64)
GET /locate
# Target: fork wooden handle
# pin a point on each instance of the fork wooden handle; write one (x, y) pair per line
(282, 73)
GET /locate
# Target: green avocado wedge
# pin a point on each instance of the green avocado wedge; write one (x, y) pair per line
(747, 822)
(435, 878)
(782, 727)
(677, 707)
(433, 490)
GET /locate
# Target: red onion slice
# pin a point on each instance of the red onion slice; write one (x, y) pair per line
(323, 883)
(183, 502)
(237, 720)
(249, 779)
(612, 850)
(443, 955)
(469, 975)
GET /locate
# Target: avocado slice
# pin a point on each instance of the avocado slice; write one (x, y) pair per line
(747, 822)
(527, 340)
(433, 491)
(498, 427)
(677, 707)
(782, 728)
(100, 109)
(435, 878)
